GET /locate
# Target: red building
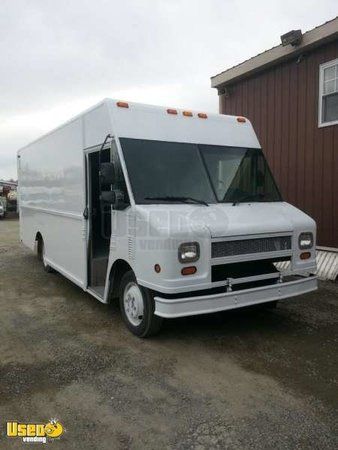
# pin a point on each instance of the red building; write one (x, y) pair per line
(290, 94)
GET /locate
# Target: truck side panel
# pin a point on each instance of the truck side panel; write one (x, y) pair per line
(52, 198)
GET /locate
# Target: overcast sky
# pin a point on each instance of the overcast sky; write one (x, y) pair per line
(58, 57)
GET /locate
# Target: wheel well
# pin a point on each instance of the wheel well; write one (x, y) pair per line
(119, 268)
(38, 241)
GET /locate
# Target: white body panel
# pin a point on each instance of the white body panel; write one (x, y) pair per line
(52, 191)
(52, 199)
(155, 123)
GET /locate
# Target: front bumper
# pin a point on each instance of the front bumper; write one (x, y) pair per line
(191, 306)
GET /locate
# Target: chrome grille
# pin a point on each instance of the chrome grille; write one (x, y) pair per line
(248, 246)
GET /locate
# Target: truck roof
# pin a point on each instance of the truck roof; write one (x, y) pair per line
(142, 121)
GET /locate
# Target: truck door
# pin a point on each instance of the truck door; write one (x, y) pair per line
(101, 215)
(99, 223)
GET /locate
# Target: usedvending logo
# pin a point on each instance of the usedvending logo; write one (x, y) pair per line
(35, 432)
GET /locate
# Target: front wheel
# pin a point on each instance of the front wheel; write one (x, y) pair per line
(137, 307)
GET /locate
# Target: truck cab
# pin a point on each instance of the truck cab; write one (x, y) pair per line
(208, 227)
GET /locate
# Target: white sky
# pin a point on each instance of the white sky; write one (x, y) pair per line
(59, 57)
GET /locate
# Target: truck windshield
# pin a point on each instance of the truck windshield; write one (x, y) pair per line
(161, 172)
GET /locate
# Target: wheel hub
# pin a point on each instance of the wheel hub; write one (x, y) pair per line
(133, 303)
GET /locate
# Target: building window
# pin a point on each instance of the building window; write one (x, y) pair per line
(328, 93)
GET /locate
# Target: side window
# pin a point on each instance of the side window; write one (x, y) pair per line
(328, 93)
(120, 180)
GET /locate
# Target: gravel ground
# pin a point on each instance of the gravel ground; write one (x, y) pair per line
(253, 378)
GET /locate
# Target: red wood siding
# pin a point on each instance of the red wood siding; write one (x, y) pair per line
(282, 104)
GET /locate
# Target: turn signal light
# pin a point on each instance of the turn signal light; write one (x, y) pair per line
(122, 104)
(172, 111)
(305, 255)
(187, 113)
(202, 115)
(241, 119)
(189, 270)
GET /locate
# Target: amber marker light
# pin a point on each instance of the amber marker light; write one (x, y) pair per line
(202, 115)
(122, 104)
(305, 255)
(187, 113)
(189, 270)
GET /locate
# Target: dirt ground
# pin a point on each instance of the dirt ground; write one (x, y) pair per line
(253, 378)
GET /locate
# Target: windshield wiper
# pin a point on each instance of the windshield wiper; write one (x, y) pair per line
(178, 199)
(248, 197)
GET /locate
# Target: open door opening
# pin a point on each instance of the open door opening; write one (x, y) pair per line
(99, 216)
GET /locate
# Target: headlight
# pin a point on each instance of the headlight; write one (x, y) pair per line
(189, 252)
(305, 241)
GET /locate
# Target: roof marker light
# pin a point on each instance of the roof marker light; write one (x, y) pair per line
(122, 104)
(187, 113)
(202, 115)
(241, 119)
(171, 111)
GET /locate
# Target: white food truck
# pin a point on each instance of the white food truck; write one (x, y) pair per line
(175, 213)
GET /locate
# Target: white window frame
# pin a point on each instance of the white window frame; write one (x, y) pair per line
(322, 67)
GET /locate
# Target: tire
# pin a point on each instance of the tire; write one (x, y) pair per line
(41, 255)
(137, 307)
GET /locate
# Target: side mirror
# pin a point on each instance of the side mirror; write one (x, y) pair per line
(108, 197)
(107, 173)
(114, 198)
